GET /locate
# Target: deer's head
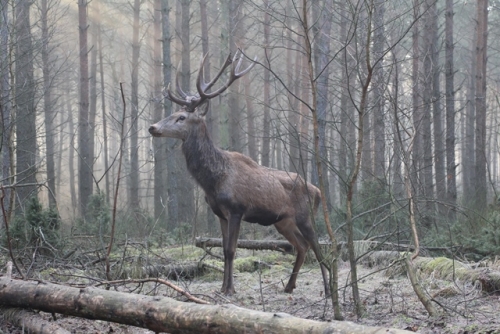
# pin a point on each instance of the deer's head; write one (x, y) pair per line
(194, 107)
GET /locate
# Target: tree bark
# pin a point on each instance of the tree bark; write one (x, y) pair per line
(451, 183)
(322, 30)
(159, 146)
(236, 28)
(344, 110)
(425, 127)
(182, 190)
(49, 112)
(252, 140)
(163, 314)
(379, 168)
(468, 158)
(5, 107)
(171, 201)
(437, 119)
(25, 106)
(417, 148)
(266, 134)
(71, 151)
(134, 198)
(85, 181)
(480, 99)
(105, 156)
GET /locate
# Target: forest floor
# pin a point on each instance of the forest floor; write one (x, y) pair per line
(389, 301)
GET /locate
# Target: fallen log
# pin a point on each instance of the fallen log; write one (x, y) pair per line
(161, 314)
(178, 271)
(449, 269)
(275, 245)
(31, 321)
(362, 246)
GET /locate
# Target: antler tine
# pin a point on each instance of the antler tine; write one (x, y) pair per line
(203, 86)
(180, 92)
(233, 76)
(176, 99)
(184, 99)
(237, 67)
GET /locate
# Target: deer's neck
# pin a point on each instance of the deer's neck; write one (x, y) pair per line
(206, 163)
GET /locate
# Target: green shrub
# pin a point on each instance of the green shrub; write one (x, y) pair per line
(37, 227)
(98, 216)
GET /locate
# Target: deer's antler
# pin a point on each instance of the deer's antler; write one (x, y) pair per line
(193, 101)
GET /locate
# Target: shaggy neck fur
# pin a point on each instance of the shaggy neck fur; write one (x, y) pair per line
(206, 163)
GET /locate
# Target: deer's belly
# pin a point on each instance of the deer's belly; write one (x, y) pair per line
(263, 217)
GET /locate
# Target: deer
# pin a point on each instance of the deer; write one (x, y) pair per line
(236, 187)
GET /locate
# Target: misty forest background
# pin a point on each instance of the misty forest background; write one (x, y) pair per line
(408, 91)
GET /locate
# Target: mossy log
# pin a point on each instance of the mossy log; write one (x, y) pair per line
(187, 270)
(162, 314)
(448, 269)
(440, 267)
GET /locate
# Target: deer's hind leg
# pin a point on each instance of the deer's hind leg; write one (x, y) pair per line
(289, 230)
(309, 234)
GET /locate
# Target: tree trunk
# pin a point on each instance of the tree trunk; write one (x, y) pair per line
(92, 86)
(172, 198)
(5, 88)
(305, 97)
(252, 140)
(439, 149)
(134, 198)
(266, 134)
(322, 30)
(85, 181)
(159, 146)
(236, 28)
(185, 185)
(417, 147)
(49, 112)
(451, 176)
(427, 80)
(211, 118)
(103, 103)
(71, 151)
(163, 314)
(398, 182)
(344, 117)
(26, 164)
(293, 114)
(480, 134)
(379, 167)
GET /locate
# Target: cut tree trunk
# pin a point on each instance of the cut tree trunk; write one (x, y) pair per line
(161, 314)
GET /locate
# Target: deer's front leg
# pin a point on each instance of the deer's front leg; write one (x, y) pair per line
(230, 232)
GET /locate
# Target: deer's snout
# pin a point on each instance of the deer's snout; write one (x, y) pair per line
(153, 129)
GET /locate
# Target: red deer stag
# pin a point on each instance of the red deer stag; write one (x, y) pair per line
(236, 187)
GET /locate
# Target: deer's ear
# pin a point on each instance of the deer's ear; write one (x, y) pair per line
(203, 109)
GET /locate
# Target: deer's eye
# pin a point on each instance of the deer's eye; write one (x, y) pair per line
(181, 118)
